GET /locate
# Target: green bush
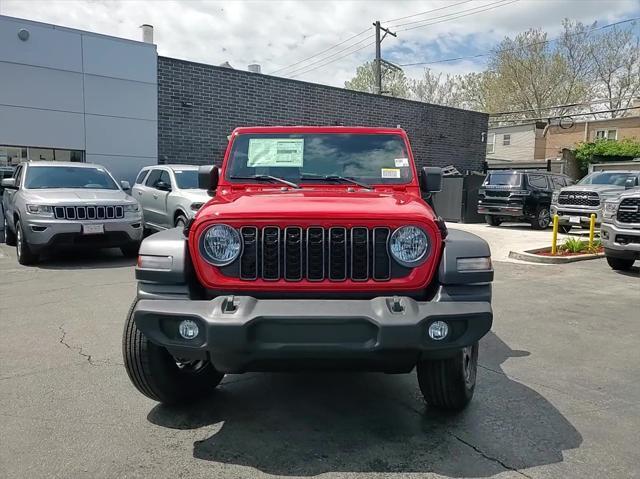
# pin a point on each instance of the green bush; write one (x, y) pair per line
(574, 245)
(585, 152)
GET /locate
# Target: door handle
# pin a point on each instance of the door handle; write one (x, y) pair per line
(139, 193)
(155, 196)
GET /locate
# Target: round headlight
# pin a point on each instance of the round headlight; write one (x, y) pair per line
(409, 245)
(220, 245)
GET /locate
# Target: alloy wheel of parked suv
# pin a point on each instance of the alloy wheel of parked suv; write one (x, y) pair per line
(9, 236)
(24, 253)
(542, 219)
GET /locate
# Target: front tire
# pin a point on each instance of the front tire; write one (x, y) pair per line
(492, 220)
(158, 375)
(542, 218)
(620, 264)
(9, 236)
(564, 229)
(26, 257)
(449, 383)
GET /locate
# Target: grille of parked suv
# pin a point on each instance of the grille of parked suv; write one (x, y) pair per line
(315, 253)
(579, 198)
(498, 194)
(629, 210)
(107, 212)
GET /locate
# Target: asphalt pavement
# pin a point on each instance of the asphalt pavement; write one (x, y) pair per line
(557, 396)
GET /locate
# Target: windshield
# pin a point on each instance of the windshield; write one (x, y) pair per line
(186, 179)
(41, 177)
(602, 178)
(503, 179)
(371, 159)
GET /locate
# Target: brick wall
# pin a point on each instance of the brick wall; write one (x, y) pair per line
(199, 105)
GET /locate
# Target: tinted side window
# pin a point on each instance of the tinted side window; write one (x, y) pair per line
(153, 178)
(17, 174)
(558, 182)
(141, 176)
(165, 178)
(538, 181)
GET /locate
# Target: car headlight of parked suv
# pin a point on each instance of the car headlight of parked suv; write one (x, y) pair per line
(409, 245)
(41, 210)
(131, 207)
(554, 197)
(220, 245)
(610, 208)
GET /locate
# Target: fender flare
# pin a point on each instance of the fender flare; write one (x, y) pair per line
(461, 244)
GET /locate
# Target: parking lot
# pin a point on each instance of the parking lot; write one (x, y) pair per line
(557, 391)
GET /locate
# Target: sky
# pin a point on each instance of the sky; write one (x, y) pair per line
(279, 34)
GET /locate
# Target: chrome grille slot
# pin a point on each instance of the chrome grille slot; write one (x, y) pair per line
(381, 258)
(629, 210)
(359, 254)
(293, 253)
(271, 253)
(100, 213)
(249, 260)
(70, 213)
(91, 212)
(579, 198)
(88, 212)
(315, 254)
(59, 212)
(337, 254)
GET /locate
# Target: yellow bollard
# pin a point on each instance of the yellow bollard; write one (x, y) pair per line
(592, 229)
(554, 240)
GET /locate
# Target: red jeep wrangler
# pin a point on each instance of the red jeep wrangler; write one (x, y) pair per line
(317, 251)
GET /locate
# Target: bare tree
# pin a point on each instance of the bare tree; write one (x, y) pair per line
(394, 82)
(437, 88)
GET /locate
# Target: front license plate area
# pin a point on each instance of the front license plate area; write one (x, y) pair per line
(92, 229)
(574, 220)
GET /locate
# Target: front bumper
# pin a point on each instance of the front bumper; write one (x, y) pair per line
(620, 242)
(501, 210)
(566, 214)
(43, 233)
(242, 333)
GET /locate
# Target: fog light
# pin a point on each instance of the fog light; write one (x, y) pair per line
(188, 329)
(438, 330)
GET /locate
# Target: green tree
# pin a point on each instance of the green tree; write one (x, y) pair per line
(437, 88)
(394, 82)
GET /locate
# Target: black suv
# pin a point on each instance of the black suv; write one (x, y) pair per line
(508, 195)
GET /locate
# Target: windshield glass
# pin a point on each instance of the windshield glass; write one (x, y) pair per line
(371, 159)
(186, 179)
(41, 177)
(503, 179)
(602, 178)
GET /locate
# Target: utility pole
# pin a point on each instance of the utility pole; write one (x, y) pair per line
(379, 60)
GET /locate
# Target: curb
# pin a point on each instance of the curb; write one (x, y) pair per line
(531, 257)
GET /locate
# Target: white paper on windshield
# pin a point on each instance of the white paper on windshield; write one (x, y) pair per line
(401, 162)
(278, 152)
(390, 173)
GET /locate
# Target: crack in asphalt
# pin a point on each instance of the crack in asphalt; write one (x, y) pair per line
(80, 351)
(490, 458)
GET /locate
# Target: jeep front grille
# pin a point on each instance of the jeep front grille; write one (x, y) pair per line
(108, 212)
(629, 210)
(315, 253)
(579, 198)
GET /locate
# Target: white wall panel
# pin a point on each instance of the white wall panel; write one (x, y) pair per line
(116, 97)
(121, 136)
(119, 59)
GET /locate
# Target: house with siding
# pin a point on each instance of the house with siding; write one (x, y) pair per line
(516, 143)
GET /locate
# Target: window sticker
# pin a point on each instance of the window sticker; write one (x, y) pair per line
(401, 162)
(390, 172)
(277, 152)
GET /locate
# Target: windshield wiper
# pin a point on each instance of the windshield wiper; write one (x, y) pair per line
(267, 178)
(313, 176)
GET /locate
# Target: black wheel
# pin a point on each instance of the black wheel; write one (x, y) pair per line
(492, 220)
(180, 221)
(23, 251)
(130, 250)
(542, 218)
(564, 229)
(9, 236)
(160, 376)
(449, 383)
(620, 264)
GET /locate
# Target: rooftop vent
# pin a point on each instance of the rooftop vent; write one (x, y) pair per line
(147, 33)
(254, 68)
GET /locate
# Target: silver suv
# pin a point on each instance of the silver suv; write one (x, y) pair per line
(169, 195)
(575, 204)
(54, 203)
(620, 231)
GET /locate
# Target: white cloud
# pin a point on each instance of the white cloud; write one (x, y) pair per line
(277, 34)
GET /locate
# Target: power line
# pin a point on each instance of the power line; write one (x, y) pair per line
(515, 48)
(427, 11)
(320, 53)
(332, 61)
(528, 120)
(552, 107)
(461, 14)
(295, 70)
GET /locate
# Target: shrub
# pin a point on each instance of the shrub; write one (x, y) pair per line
(574, 245)
(585, 152)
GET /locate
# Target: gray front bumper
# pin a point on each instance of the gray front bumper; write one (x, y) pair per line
(610, 237)
(566, 212)
(270, 334)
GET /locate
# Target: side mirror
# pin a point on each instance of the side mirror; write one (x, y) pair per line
(431, 179)
(126, 186)
(9, 183)
(208, 177)
(631, 182)
(162, 186)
